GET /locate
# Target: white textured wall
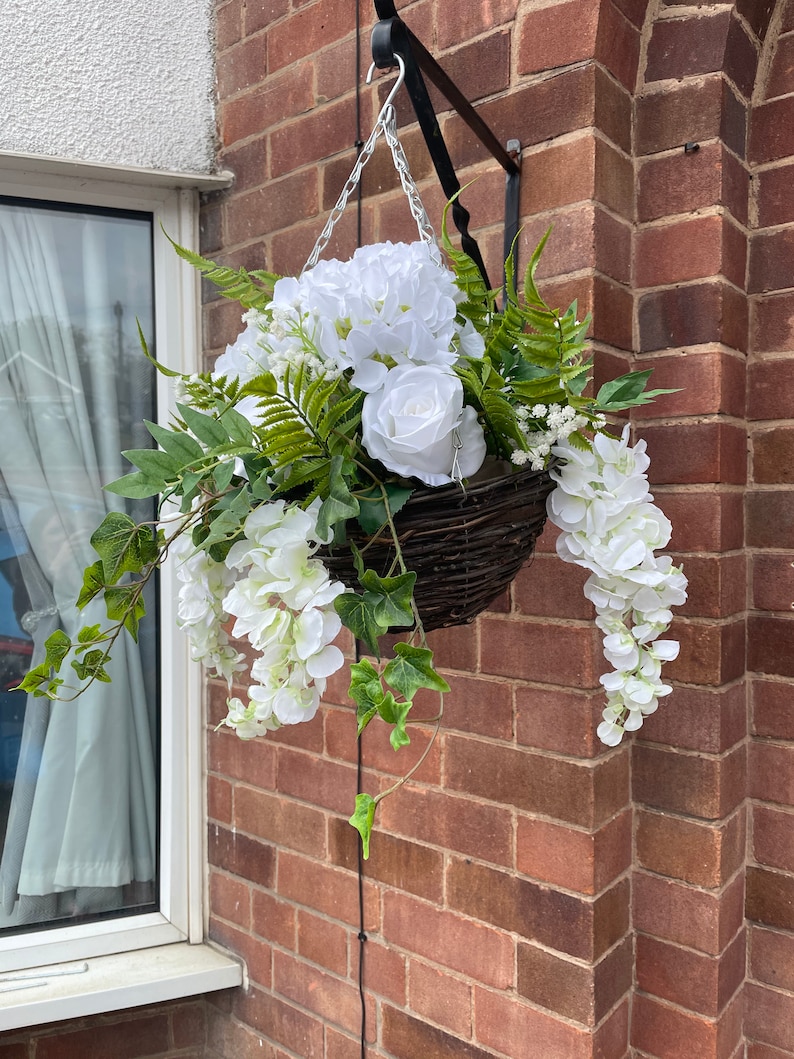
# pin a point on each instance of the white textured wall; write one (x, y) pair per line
(125, 82)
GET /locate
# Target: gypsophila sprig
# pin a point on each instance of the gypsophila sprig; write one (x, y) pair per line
(354, 391)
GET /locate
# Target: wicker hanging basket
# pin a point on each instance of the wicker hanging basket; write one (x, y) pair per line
(464, 546)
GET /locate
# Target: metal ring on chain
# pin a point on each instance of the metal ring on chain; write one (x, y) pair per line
(386, 124)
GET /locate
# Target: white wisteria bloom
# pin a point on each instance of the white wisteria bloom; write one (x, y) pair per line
(611, 527)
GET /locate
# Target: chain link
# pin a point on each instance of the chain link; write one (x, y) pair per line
(386, 125)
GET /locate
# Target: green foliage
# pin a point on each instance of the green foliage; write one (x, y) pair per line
(363, 819)
(253, 290)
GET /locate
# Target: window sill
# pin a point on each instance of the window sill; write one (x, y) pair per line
(109, 983)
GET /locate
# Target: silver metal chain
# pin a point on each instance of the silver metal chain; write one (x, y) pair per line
(386, 125)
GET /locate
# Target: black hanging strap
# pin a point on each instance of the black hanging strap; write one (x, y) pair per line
(392, 37)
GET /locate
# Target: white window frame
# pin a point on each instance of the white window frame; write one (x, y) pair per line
(177, 931)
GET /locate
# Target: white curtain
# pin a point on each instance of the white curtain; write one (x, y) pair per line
(83, 813)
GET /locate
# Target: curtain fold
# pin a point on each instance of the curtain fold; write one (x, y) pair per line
(83, 813)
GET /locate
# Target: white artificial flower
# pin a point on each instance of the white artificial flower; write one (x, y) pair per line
(417, 425)
(245, 358)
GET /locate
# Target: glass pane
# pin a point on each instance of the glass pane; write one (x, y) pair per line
(78, 797)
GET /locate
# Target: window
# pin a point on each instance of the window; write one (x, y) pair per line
(100, 800)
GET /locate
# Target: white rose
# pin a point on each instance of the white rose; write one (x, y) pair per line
(414, 421)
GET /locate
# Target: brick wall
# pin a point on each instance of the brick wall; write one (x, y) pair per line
(532, 894)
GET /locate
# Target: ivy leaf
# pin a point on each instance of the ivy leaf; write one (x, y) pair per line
(411, 670)
(358, 614)
(395, 713)
(123, 546)
(93, 583)
(35, 680)
(57, 646)
(340, 504)
(89, 634)
(366, 691)
(92, 666)
(362, 820)
(391, 597)
(124, 603)
(372, 509)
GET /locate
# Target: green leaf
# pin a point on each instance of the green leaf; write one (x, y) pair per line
(176, 443)
(240, 429)
(124, 603)
(123, 546)
(93, 583)
(154, 462)
(223, 475)
(395, 713)
(366, 690)
(340, 504)
(136, 486)
(206, 428)
(92, 666)
(372, 508)
(251, 289)
(411, 670)
(362, 820)
(168, 372)
(358, 614)
(57, 646)
(391, 598)
(531, 293)
(38, 682)
(90, 634)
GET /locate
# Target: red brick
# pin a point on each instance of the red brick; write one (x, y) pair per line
(322, 942)
(692, 315)
(247, 761)
(690, 979)
(501, 1021)
(259, 14)
(613, 109)
(707, 719)
(773, 456)
(307, 30)
(129, 1039)
(772, 714)
(228, 24)
(241, 855)
(315, 780)
(706, 787)
(256, 953)
(683, 1035)
(230, 899)
(741, 58)
(769, 1017)
(614, 177)
(696, 452)
(561, 174)
(482, 65)
(773, 582)
(318, 134)
(405, 1037)
(333, 999)
(770, 644)
(545, 42)
(249, 114)
(700, 854)
(771, 133)
(688, 250)
(274, 919)
(403, 865)
(280, 821)
(449, 939)
(779, 81)
(569, 923)
(771, 266)
(618, 45)
(278, 205)
(770, 519)
(531, 650)
(551, 588)
(765, 1051)
(189, 1025)
(280, 1021)
(385, 971)
(219, 799)
(710, 653)
(772, 958)
(683, 46)
(576, 717)
(456, 648)
(242, 66)
(435, 817)
(759, 14)
(773, 331)
(680, 183)
(694, 106)
(770, 387)
(771, 772)
(582, 794)
(687, 916)
(575, 860)
(480, 705)
(331, 891)
(437, 996)
(472, 20)
(717, 585)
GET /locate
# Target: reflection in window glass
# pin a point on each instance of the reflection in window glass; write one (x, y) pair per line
(78, 799)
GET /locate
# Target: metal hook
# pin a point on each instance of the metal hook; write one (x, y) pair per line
(395, 87)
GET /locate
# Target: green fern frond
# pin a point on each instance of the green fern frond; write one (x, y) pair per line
(253, 290)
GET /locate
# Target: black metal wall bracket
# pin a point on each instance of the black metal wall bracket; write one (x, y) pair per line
(391, 37)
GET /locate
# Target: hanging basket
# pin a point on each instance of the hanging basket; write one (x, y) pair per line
(465, 546)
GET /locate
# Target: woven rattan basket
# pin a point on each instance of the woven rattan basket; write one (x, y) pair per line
(465, 546)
